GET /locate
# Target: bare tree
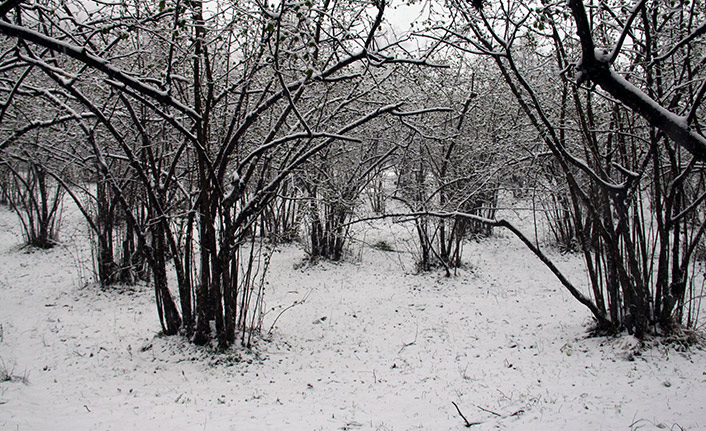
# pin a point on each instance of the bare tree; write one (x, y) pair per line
(605, 154)
(211, 106)
(452, 161)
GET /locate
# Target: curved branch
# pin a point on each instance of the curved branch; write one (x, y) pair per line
(598, 71)
(696, 33)
(602, 319)
(7, 6)
(95, 62)
(626, 30)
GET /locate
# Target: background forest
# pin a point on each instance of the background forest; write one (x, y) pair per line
(195, 136)
(196, 139)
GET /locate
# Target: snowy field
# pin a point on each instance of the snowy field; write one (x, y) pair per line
(373, 347)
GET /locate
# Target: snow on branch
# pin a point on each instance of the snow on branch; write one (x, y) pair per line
(674, 126)
(421, 111)
(598, 314)
(42, 124)
(626, 30)
(696, 33)
(595, 67)
(83, 55)
(256, 202)
(7, 6)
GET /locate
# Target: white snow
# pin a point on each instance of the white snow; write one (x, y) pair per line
(602, 55)
(374, 347)
(677, 120)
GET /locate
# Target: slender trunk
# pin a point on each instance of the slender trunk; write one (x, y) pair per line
(185, 286)
(166, 307)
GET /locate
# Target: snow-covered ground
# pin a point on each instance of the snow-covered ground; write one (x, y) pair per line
(374, 347)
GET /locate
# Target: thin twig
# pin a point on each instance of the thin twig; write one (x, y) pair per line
(468, 424)
(411, 343)
(292, 305)
(489, 411)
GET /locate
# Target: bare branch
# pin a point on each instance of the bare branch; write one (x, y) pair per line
(626, 29)
(597, 70)
(696, 33)
(83, 55)
(421, 111)
(7, 6)
(598, 314)
(468, 424)
(41, 124)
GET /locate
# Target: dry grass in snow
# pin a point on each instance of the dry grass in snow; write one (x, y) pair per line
(373, 347)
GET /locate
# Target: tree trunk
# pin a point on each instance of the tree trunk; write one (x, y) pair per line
(166, 307)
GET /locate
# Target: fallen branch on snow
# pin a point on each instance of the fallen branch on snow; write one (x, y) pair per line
(602, 319)
(468, 424)
(292, 305)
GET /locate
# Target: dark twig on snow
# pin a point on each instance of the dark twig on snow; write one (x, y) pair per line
(600, 316)
(411, 343)
(490, 411)
(517, 413)
(294, 304)
(468, 424)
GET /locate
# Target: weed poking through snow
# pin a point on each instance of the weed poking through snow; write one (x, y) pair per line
(7, 373)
